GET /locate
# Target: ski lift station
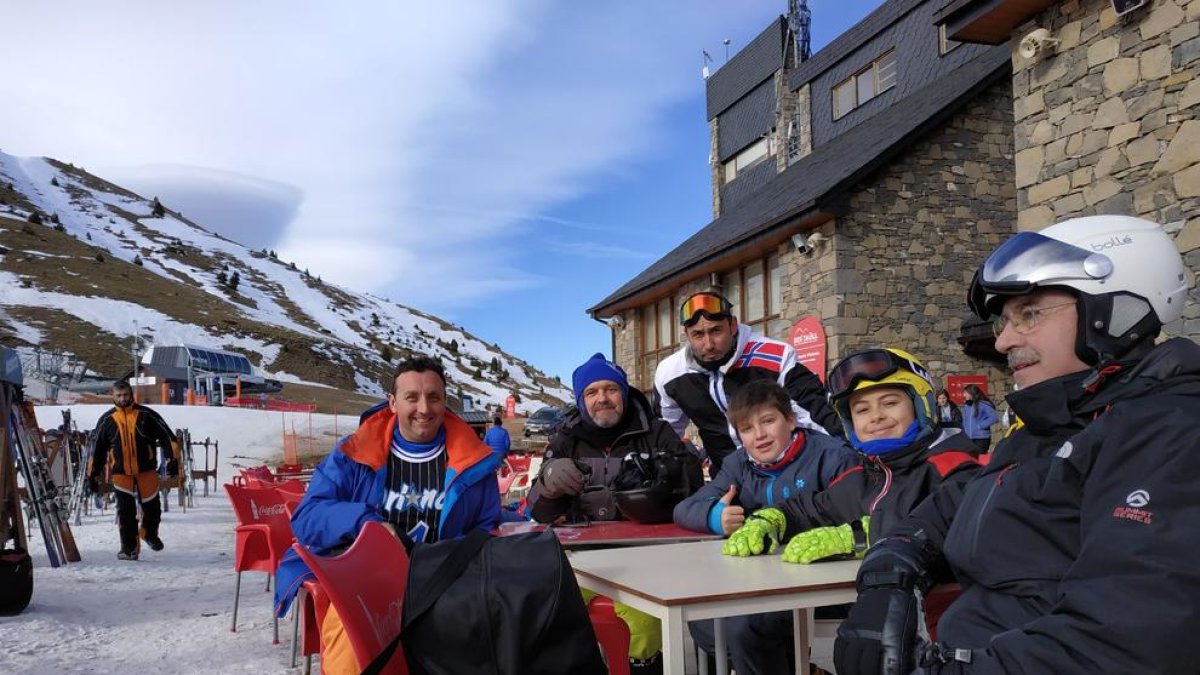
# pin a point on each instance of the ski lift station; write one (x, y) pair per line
(211, 374)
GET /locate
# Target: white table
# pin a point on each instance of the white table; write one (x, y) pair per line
(678, 583)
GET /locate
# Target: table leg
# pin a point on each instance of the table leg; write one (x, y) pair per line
(719, 646)
(672, 627)
(800, 640)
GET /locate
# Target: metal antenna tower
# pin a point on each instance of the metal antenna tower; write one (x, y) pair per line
(800, 25)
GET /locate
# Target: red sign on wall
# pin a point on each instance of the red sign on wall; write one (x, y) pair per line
(956, 383)
(808, 339)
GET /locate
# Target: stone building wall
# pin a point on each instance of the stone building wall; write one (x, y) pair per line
(1106, 122)
(897, 267)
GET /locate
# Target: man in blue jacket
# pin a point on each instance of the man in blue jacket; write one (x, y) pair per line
(410, 465)
(498, 439)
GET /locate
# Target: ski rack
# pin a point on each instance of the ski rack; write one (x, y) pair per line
(206, 473)
(184, 481)
(43, 500)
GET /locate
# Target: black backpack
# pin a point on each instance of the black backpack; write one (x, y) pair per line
(494, 606)
(16, 581)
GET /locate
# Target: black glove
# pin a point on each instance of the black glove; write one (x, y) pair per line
(172, 467)
(561, 478)
(93, 485)
(879, 637)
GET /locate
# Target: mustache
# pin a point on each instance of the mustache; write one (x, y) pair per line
(1018, 356)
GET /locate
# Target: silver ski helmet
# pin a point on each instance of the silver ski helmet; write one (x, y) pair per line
(1126, 273)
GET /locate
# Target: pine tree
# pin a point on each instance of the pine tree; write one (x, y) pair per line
(54, 181)
(386, 353)
(35, 218)
(234, 281)
(137, 260)
(157, 209)
(221, 278)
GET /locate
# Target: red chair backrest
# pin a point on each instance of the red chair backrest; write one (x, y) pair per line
(519, 464)
(292, 486)
(366, 586)
(263, 506)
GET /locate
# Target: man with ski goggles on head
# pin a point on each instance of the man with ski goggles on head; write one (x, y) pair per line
(719, 355)
(1075, 546)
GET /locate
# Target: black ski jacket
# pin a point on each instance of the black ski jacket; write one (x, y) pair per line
(887, 487)
(128, 440)
(639, 431)
(1076, 546)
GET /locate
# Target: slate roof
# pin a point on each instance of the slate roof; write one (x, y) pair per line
(859, 34)
(754, 63)
(819, 179)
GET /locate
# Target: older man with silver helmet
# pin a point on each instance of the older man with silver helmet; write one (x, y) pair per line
(1075, 546)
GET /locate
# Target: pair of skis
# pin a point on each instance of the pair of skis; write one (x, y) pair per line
(41, 493)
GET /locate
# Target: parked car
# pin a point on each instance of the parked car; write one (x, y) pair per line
(545, 422)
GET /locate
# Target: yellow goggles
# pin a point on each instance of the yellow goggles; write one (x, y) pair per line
(710, 304)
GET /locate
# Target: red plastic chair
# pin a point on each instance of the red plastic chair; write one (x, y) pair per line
(366, 587)
(611, 633)
(263, 535)
(312, 603)
(519, 464)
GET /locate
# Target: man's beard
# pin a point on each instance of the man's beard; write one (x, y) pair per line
(611, 418)
(716, 364)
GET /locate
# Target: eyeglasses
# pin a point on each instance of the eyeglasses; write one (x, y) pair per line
(710, 304)
(1027, 318)
(870, 364)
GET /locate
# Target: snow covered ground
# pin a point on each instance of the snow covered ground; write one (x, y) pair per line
(170, 611)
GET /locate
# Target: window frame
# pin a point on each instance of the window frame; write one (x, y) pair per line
(853, 83)
(945, 44)
(738, 163)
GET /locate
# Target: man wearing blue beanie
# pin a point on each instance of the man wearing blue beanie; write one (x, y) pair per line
(610, 421)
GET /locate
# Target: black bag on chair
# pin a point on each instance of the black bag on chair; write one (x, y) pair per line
(16, 581)
(495, 606)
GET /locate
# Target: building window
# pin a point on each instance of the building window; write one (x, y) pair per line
(752, 155)
(864, 85)
(660, 336)
(756, 291)
(945, 44)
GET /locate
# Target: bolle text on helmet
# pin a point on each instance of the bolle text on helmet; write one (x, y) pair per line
(1112, 242)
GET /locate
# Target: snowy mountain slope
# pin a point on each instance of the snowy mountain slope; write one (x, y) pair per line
(82, 260)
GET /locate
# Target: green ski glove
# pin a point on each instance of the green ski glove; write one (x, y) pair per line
(761, 533)
(827, 542)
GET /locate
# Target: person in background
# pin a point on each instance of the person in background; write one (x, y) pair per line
(948, 413)
(720, 355)
(1076, 545)
(497, 438)
(127, 440)
(413, 466)
(978, 416)
(777, 461)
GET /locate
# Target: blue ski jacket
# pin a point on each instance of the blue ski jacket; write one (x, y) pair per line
(821, 459)
(347, 490)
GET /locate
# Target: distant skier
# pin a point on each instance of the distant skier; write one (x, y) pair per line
(133, 432)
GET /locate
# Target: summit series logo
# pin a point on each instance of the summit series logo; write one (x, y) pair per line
(1136, 510)
(1113, 242)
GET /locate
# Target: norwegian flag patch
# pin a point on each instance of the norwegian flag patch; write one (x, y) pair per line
(768, 355)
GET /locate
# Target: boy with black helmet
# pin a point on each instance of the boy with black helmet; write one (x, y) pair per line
(1075, 546)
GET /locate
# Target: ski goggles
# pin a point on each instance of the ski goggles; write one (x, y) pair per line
(709, 304)
(1030, 260)
(871, 364)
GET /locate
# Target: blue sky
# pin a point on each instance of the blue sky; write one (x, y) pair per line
(503, 164)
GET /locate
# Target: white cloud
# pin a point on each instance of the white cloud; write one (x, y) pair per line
(485, 114)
